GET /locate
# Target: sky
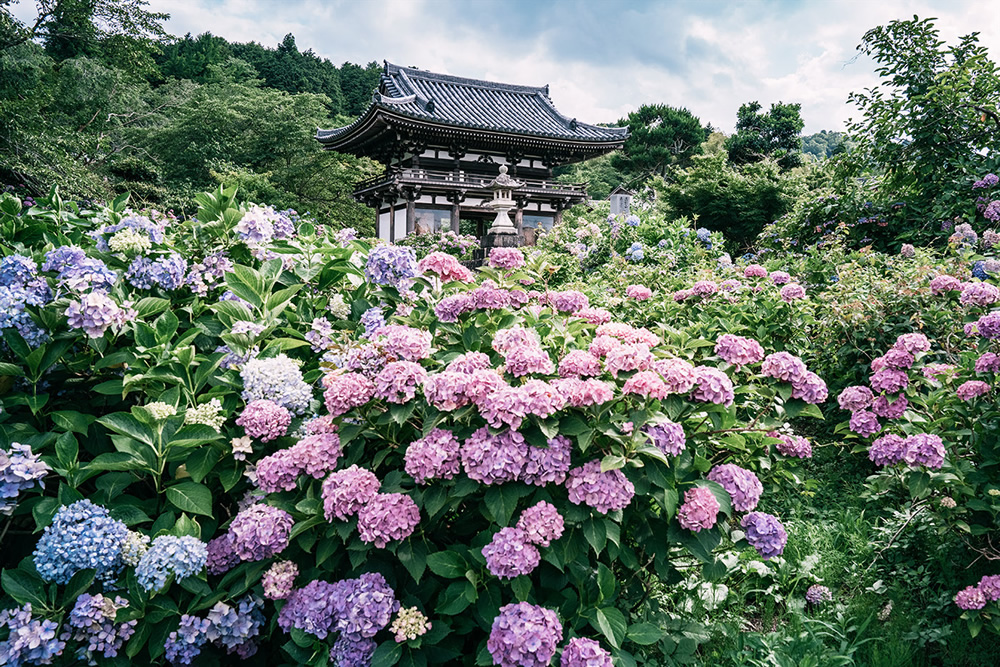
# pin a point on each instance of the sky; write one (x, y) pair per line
(603, 58)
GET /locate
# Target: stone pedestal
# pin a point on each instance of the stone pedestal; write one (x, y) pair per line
(500, 240)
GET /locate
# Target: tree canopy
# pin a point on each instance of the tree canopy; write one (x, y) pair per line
(660, 136)
(774, 134)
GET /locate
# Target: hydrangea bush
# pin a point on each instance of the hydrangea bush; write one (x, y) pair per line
(315, 449)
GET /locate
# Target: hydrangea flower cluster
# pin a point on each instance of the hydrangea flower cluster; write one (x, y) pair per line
(398, 381)
(346, 391)
(260, 531)
(357, 608)
(765, 534)
(279, 580)
(699, 510)
(741, 484)
(739, 351)
(95, 313)
(638, 292)
(541, 523)
(347, 491)
(506, 258)
(81, 536)
(184, 644)
(168, 272)
(387, 517)
(233, 628)
(278, 379)
(667, 436)
(792, 445)
(393, 266)
(446, 267)
(209, 273)
(265, 420)
(603, 491)
(92, 622)
(410, 623)
(20, 469)
(435, 456)
(31, 641)
(817, 594)
(180, 556)
(510, 554)
(524, 635)
(314, 455)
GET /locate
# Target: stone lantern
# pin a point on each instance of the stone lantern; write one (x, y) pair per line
(502, 202)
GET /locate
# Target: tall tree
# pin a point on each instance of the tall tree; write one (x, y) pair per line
(659, 136)
(933, 123)
(358, 84)
(774, 134)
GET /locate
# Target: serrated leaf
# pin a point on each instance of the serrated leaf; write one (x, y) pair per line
(610, 622)
(448, 564)
(191, 497)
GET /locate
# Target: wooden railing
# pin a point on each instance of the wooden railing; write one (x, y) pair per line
(463, 180)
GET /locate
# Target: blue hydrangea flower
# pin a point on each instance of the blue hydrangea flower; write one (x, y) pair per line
(87, 274)
(166, 272)
(632, 221)
(184, 644)
(233, 627)
(392, 265)
(181, 556)
(373, 321)
(979, 270)
(30, 641)
(704, 235)
(59, 258)
(20, 469)
(662, 243)
(278, 379)
(82, 535)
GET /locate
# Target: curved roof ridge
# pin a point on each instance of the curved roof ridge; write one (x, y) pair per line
(450, 78)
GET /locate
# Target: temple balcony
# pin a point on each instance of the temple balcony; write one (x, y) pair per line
(464, 182)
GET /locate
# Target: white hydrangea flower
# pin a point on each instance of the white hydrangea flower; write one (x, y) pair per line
(160, 410)
(209, 414)
(130, 242)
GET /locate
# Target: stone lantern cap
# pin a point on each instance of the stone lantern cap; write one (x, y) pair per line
(503, 181)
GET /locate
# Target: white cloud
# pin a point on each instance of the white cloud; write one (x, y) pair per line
(602, 59)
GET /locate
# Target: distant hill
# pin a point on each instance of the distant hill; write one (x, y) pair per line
(824, 144)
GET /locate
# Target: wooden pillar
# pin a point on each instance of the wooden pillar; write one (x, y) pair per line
(411, 215)
(392, 222)
(456, 218)
(557, 218)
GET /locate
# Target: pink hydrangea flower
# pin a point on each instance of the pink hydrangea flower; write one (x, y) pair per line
(970, 598)
(583, 652)
(712, 386)
(483, 383)
(647, 384)
(569, 301)
(667, 436)
(972, 389)
(704, 288)
(933, 371)
(347, 391)
(506, 258)
(792, 445)
(898, 359)
(887, 450)
(783, 366)
(603, 491)
(264, 419)
(699, 510)
(544, 398)
(810, 388)
(387, 517)
(528, 359)
(913, 343)
(988, 362)
(638, 292)
(347, 491)
(469, 362)
(865, 423)
(405, 343)
(629, 334)
(792, 292)
(628, 357)
(446, 267)
(594, 315)
(446, 391)
(434, 456)
(398, 381)
(579, 363)
(583, 393)
(855, 398)
(279, 580)
(738, 351)
(889, 381)
(601, 346)
(494, 459)
(678, 374)
(754, 271)
(507, 406)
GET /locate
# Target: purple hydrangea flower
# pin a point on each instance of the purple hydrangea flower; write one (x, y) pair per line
(549, 464)
(493, 459)
(264, 419)
(387, 517)
(392, 265)
(541, 523)
(583, 652)
(739, 351)
(363, 606)
(30, 641)
(20, 469)
(887, 450)
(924, 449)
(260, 531)
(604, 491)
(765, 534)
(510, 554)
(818, 594)
(741, 484)
(347, 491)
(524, 635)
(668, 436)
(435, 456)
(699, 510)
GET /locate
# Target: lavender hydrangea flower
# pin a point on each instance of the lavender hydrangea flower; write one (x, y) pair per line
(699, 510)
(81, 536)
(818, 594)
(667, 436)
(264, 419)
(510, 554)
(739, 351)
(924, 449)
(970, 598)
(865, 423)
(855, 398)
(387, 517)
(363, 606)
(583, 652)
(20, 469)
(541, 523)
(435, 456)
(603, 491)
(741, 484)
(181, 556)
(95, 313)
(783, 366)
(30, 641)
(348, 651)
(233, 628)
(167, 272)
(549, 464)
(524, 635)
(92, 622)
(493, 459)
(712, 386)
(310, 608)
(184, 644)
(765, 534)
(222, 556)
(260, 531)
(391, 265)
(792, 445)
(347, 491)
(887, 450)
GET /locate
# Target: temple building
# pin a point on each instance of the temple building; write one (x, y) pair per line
(443, 139)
